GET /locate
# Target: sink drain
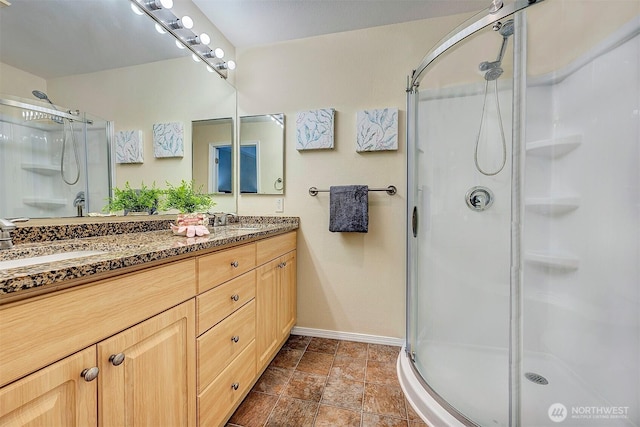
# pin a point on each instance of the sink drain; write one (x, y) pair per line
(536, 378)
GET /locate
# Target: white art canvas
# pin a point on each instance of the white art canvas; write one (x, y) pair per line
(314, 129)
(168, 140)
(129, 146)
(377, 130)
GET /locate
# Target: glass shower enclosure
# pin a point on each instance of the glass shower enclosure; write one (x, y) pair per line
(53, 162)
(524, 218)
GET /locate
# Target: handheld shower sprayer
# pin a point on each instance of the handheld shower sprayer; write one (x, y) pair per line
(57, 119)
(492, 71)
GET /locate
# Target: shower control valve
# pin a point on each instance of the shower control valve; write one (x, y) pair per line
(479, 198)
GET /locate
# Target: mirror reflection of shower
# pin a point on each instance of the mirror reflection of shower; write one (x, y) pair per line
(492, 71)
(74, 144)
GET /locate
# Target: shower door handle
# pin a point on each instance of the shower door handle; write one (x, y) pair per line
(414, 221)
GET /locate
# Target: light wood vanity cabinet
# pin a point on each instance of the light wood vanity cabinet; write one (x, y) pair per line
(147, 372)
(275, 295)
(53, 396)
(180, 344)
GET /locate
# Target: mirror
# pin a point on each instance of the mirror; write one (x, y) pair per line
(262, 154)
(212, 142)
(136, 79)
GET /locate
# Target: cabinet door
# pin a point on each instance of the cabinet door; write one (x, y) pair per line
(267, 295)
(154, 385)
(53, 396)
(288, 297)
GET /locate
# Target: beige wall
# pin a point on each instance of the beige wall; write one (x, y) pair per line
(347, 282)
(16, 82)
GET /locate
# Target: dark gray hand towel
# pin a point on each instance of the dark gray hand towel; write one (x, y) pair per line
(349, 208)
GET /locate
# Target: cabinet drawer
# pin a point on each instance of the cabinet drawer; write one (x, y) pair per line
(217, 347)
(273, 247)
(219, 302)
(221, 266)
(217, 401)
(40, 331)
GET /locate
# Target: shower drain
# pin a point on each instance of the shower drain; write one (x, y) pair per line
(536, 378)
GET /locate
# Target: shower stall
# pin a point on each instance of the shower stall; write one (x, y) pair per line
(523, 274)
(54, 162)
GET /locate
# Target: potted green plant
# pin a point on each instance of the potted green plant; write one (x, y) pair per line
(191, 203)
(130, 200)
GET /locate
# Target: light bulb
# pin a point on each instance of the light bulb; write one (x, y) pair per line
(180, 45)
(195, 57)
(187, 22)
(160, 29)
(209, 69)
(219, 53)
(231, 65)
(167, 4)
(136, 9)
(204, 38)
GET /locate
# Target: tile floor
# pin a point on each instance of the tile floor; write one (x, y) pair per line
(327, 382)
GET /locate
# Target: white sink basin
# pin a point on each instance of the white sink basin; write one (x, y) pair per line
(25, 262)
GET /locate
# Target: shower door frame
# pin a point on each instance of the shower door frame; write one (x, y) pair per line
(470, 27)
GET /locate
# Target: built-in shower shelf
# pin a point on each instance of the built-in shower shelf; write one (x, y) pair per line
(550, 260)
(554, 147)
(552, 205)
(44, 203)
(41, 168)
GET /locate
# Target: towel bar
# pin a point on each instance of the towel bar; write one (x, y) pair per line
(391, 190)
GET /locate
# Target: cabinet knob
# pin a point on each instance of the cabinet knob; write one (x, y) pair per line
(235, 297)
(235, 338)
(90, 374)
(235, 386)
(116, 359)
(234, 264)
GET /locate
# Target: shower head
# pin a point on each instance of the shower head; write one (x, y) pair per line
(493, 74)
(507, 29)
(40, 95)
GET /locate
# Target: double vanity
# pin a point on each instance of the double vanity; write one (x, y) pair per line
(140, 327)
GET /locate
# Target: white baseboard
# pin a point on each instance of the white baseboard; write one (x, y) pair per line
(347, 336)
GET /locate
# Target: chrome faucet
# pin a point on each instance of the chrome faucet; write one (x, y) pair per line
(221, 218)
(6, 227)
(78, 202)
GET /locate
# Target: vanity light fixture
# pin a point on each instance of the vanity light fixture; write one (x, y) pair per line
(216, 53)
(229, 65)
(178, 24)
(202, 39)
(158, 4)
(185, 38)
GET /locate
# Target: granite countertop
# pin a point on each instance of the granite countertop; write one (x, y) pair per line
(119, 251)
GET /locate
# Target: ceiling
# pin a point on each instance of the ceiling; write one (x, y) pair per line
(55, 38)
(254, 22)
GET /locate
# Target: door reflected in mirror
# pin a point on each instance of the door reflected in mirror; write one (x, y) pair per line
(262, 154)
(213, 155)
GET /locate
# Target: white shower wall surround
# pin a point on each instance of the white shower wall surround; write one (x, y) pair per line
(580, 245)
(31, 185)
(586, 318)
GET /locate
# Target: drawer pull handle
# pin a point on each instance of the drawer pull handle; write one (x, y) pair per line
(235, 386)
(235, 297)
(116, 359)
(235, 338)
(234, 264)
(90, 374)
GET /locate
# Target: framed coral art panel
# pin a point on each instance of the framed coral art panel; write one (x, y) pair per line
(129, 146)
(377, 130)
(314, 129)
(168, 140)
